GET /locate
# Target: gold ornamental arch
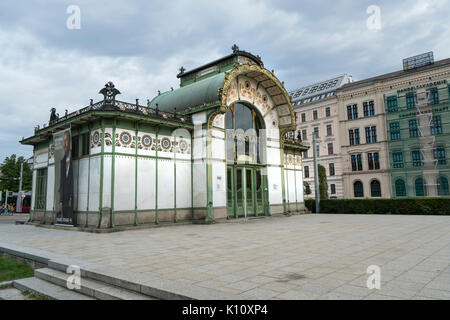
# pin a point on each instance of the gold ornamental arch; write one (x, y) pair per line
(274, 88)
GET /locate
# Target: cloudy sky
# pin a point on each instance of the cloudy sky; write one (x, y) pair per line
(140, 45)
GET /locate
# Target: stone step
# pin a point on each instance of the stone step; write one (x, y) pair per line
(91, 288)
(48, 289)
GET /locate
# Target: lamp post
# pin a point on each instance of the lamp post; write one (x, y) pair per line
(316, 174)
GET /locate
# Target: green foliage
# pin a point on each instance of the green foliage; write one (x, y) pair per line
(407, 206)
(11, 270)
(10, 168)
(323, 183)
(306, 188)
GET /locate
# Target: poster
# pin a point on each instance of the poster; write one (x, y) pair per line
(63, 177)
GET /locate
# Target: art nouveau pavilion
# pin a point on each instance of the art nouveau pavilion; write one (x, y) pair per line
(174, 159)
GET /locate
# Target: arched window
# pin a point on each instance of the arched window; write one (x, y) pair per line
(243, 126)
(400, 188)
(442, 186)
(375, 188)
(420, 187)
(358, 189)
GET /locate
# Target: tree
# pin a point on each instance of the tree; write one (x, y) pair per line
(323, 184)
(306, 188)
(10, 170)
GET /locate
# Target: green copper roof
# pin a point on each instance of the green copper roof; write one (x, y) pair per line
(196, 94)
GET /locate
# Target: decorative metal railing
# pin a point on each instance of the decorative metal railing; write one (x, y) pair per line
(120, 106)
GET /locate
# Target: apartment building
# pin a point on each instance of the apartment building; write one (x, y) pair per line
(393, 133)
(317, 110)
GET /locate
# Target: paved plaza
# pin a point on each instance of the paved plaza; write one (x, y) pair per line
(297, 257)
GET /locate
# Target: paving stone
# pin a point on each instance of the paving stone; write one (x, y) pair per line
(411, 251)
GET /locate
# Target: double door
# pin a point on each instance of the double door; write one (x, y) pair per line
(246, 191)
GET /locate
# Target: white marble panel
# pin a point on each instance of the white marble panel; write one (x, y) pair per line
(146, 189)
(124, 183)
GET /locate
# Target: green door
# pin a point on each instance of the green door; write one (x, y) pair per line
(230, 191)
(250, 191)
(259, 201)
(239, 193)
(245, 191)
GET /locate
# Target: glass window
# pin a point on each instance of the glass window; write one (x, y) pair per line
(392, 104)
(442, 186)
(329, 130)
(358, 189)
(305, 154)
(433, 96)
(243, 128)
(410, 100)
(375, 188)
(370, 161)
(420, 187)
(417, 158)
(333, 188)
(330, 149)
(394, 128)
(75, 144)
(413, 128)
(41, 189)
(351, 135)
(397, 159)
(376, 159)
(315, 114)
(303, 117)
(306, 171)
(368, 140)
(371, 108)
(359, 161)
(439, 155)
(349, 113)
(331, 169)
(436, 127)
(366, 109)
(85, 143)
(374, 134)
(304, 134)
(355, 111)
(327, 112)
(400, 188)
(354, 167)
(356, 136)
(316, 131)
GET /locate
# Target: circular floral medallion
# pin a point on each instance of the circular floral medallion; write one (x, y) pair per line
(125, 138)
(183, 146)
(166, 143)
(147, 141)
(96, 137)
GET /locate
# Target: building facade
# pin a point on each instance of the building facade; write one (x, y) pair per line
(418, 126)
(389, 138)
(213, 149)
(316, 111)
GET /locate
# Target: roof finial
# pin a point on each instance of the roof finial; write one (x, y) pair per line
(235, 48)
(182, 70)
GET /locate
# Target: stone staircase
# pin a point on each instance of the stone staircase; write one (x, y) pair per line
(100, 282)
(53, 283)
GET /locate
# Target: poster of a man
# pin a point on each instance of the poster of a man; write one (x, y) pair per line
(65, 203)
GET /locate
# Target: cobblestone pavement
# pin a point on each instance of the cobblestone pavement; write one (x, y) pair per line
(297, 257)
